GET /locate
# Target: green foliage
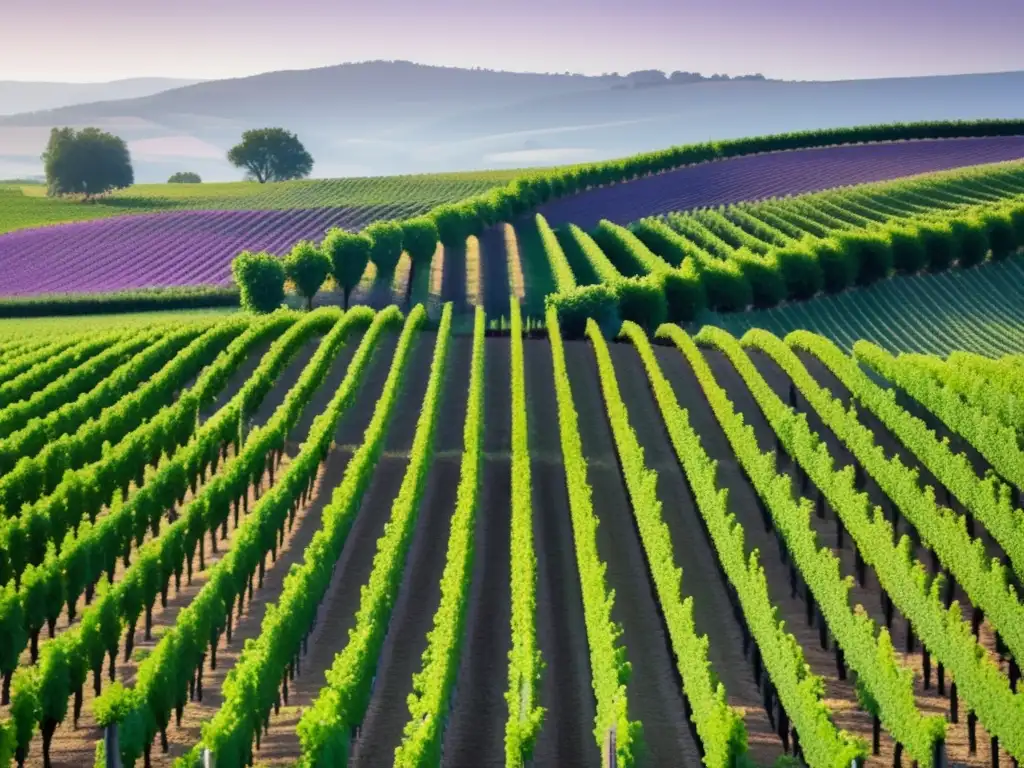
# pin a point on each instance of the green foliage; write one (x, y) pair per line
(420, 239)
(525, 715)
(307, 267)
(871, 252)
(720, 727)
(86, 162)
(385, 245)
(325, 727)
(971, 238)
(867, 650)
(642, 300)
(271, 154)
(610, 671)
(940, 247)
(909, 253)
(253, 684)
(565, 280)
(349, 254)
(942, 630)
(999, 230)
(260, 278)
(766, 282)
(185, 177)
(800, 270)
(574, 308)
(432, 685)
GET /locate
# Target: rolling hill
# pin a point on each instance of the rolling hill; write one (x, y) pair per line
(398, 117)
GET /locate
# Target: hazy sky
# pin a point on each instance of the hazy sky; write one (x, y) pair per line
(94, 40)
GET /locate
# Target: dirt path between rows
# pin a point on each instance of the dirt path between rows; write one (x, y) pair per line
(566, 692)
(420, 592)
(702, 578)
(475, 735)
(654, 689)
(494, 273)
(341, 602)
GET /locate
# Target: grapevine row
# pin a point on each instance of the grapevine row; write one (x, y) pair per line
(608, 666)
(923, 600)
(255, 683)
(325, 728)
(119, 606)
(432, 687)
(723, 736)
(993, 440)
(890, 687)
(940, 529)
(798, 689)
(525, 716)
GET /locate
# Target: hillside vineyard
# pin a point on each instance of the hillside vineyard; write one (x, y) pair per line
(379, 537)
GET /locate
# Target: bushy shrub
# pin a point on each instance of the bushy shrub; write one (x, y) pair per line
(419, 238)
(575, 307)
(725, 285)
(870, 251)
(684, 292)
(838, 270)
(642, 300)
(1002, 240)
(349, 254)
(185, 177)
(260, 278)
(939, 243)
(386, 245)
(765, 278)
(800, 271)
(908, 251)
(307, 267)
(451, 225)
(971, 240)
(1015, 212)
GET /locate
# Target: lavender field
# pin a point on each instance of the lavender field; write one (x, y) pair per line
(158, 250)
(196, 247)
(774, 174)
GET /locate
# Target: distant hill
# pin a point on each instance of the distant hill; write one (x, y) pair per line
(17, 97)
(378, 118)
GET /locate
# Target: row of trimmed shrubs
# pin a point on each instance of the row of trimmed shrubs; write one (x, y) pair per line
(664, 278)
(456, 221)
(451, 223)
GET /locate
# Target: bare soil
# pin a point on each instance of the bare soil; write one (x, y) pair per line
(341, 602)
(566, 692)
(453, 285)
(702, 577)
(476, 728)
(654, 690)
(420, 592)
(494, 272)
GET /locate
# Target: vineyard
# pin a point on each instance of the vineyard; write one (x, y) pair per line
(176, 248)
(25, 207)
(364, 538)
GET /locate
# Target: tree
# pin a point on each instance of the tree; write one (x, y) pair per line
(349, 254)
(185, 177)
(271, 154)
(260, 277)
(87, 162)
(386, 250)
(307, 267)
(419, 237)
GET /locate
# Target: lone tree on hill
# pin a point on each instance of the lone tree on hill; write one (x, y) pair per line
(185, 177)
(271, 154)
(86, 162)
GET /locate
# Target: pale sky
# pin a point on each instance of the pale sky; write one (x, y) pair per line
(96, 40)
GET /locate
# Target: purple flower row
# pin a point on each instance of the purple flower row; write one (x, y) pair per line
(775, 174)
(156, 250)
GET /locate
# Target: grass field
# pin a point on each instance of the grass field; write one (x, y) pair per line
(453, 514)
(27, 206)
